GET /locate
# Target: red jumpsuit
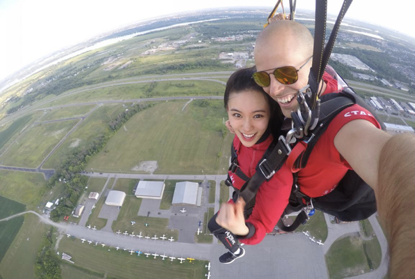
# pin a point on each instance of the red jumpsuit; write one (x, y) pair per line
(272, 196)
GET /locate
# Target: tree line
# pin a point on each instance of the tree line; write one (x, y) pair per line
(70, 170)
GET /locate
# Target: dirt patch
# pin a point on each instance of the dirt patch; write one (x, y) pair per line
(125, 65)
(75, 143)
(147, 166)
(125, 129)
(56, 133)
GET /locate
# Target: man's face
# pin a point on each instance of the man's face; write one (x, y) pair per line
(275, 54)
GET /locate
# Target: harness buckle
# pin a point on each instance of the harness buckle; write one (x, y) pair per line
(265, 171)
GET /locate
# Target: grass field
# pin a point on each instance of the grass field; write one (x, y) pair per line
(95, 124)
(20, 257)
(30, 150)
(181, 142)
(391, 119)
(129, 212)
(93, 219)
(316, 226)
(23, 187)
(224, 192)
(7, 133)
(70, 271)
(205, 236)
(212, 188)
(67, 112)
(120, 264)
(9, 229)
(142, 90)
(366, 228)
(346, 258)
(95, 184)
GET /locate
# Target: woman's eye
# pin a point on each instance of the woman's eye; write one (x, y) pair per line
(258, 116)
(236, 115)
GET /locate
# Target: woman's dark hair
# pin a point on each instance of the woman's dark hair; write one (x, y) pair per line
(242, 80)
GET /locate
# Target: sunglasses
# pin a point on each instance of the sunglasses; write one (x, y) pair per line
(285, 75)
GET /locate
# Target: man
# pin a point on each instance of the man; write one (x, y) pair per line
(353, 140)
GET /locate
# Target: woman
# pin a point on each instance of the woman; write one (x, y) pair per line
(256, 121)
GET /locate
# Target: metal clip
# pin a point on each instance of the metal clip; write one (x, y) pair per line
(267, 176)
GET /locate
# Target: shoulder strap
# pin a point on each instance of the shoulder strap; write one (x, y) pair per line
(269, 164)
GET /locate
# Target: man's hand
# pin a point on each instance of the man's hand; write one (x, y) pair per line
(231, 217)
(228, 125)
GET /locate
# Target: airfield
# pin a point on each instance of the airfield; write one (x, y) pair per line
(177, 74)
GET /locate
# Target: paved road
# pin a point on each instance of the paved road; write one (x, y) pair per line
(46, 173)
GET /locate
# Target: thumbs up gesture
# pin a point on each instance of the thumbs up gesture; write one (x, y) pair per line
(231, 217)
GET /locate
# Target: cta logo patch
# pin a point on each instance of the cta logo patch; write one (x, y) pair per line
(356, 112)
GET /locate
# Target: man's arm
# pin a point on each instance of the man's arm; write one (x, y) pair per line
(360, 144)
(395, 200)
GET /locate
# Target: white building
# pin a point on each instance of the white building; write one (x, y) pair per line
(115, 198)
(93, 196)
(187, 193)
(78, 211)
(149, 189)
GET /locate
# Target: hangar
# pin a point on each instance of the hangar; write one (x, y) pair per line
(187, 192)
(78, 211)
(149, 189)
(115, 198)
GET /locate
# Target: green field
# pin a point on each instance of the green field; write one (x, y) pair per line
(9, 229)
(95, 184)
(205, 236)
(7, 133)
(181, 142)
(120, 264)
(88, 130)
(212, 188)
(24, 187)
(346, 258)
(67, 112)
(70, 271)
(144, 89)
(224, 192)
(30, 150)
(20, 257)
(316, 226)
(350, 256)
(125, 185)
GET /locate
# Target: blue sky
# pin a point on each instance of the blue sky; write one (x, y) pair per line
(31, 29)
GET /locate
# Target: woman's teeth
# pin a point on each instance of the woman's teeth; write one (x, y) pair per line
(248, 136)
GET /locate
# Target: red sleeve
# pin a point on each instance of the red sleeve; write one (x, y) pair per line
(271, 200)
(349, 114)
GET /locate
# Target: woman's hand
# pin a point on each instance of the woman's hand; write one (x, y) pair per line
(231, 217)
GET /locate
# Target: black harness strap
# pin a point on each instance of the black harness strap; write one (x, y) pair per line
(270, 163)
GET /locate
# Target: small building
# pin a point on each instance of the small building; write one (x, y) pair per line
(187, 193)
(115, 198)
(149, 189)
(394, 128)
(93, 196)
(49, 205)
(78, 211)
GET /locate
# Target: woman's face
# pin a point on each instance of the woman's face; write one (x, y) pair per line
(249, 114)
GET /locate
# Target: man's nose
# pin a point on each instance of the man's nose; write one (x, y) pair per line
(275, 87)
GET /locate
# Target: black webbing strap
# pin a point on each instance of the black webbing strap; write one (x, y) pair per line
(269, 164)
(319, 40)
(234, 167)
(331, 105)
(321, 54)
(293, 4)
(301, 218)
(333, 36)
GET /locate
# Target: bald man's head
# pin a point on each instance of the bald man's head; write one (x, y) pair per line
(286, 35)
